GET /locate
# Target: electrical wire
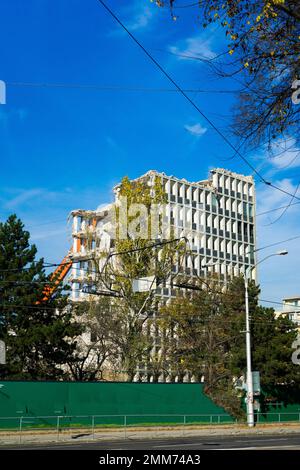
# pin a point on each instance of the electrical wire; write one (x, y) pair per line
(277, 209)
(162, 316)
(112, 88)
(189, 5)
(278, 243)
(280, 303)
(133, 250)
(286, 208)
(53, 265)
(257, 215)
(195, 106)
(229, 302)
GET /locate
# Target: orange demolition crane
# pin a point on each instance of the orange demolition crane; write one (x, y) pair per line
(62, 270)
(57, 277)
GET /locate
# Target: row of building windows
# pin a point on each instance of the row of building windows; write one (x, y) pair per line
(234, 185)
(228, 207)
(183, 216)
(207, 199)
(224, 185)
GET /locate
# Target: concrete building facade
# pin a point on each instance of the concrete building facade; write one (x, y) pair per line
(291, 308)
(216, 215)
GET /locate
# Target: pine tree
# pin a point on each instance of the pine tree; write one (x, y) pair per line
(271, 341)
(39, 335)
(210, 342)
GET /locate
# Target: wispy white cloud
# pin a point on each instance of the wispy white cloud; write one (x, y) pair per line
(34, 199)
(285, 154)
(282, 154)
(45, 213)
(142, 18)
(45, 234)
(196, 130)
(196, 46)
(111, 142)
(277, 275)
(269, 198)
(23, 197)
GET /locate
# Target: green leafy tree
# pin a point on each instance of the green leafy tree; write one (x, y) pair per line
(136, 257)
(207, 340)
(203, 332)
(272, 348)
(97, 355)
(38, 333)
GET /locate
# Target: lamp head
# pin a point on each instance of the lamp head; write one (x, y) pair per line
(208, 265)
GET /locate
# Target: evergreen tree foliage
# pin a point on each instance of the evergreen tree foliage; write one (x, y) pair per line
(206, 339)
(39, 334)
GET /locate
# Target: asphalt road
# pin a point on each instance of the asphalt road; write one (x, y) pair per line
(266, 442)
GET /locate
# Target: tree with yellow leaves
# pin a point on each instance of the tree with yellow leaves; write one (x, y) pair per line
(132, 315)
(263, 53)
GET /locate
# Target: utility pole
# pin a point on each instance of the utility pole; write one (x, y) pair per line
(249, 377)
(2, 352)
(249, 398)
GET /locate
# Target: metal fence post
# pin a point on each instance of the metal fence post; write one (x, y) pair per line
(20, 430)
(93, 427)
(57, 428)
(182, 420)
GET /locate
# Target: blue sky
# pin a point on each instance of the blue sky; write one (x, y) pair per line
(64, 147)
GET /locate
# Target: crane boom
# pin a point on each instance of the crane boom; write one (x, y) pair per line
(57, 277)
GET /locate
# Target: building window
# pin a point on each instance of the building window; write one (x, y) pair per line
(75, 290)
(214, 201)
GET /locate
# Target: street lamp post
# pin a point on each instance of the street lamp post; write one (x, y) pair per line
(249, 378)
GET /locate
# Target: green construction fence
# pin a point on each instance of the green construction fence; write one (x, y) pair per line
(108, 402)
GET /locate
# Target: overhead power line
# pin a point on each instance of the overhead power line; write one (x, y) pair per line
(287, 207)
(279, 243)
(257, 215)
(161, 316)
(189, 5)
(277, 209)
(195, 106)
(293, 309)
(55, 265)
(113, 87)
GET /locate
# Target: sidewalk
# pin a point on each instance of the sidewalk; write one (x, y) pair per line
(87, 435)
